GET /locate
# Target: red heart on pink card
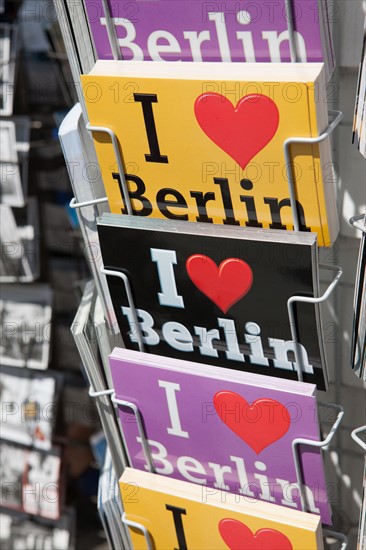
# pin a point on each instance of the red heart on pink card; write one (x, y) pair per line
(237, 536)
(259, 424)
(241, 131)
(223, 285)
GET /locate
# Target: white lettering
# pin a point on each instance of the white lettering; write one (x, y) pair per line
(265, 493)
(165, 259)
(146, 322)
(187, 465)
(177, 336)
(127, 41)
(243, 18)
(274, 42)
(156, 49)
(233, 351)
(206, 337)
(282, 348)
(170, 389)
(219, 472)
(160, 455)
(243, 478)
(195, 41)
(219, 20)
(255, 342)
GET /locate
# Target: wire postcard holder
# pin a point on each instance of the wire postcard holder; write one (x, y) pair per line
(290, 307)
(291, 313)
(354, 221)
(358, 354)
(295, 215)
(295, 448)
(354, 435)
(338, 115)
(110, 393)
(295, 444)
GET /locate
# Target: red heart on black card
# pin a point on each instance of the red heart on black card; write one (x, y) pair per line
(223, 285)
(259, 424)
(237, 536)
(240, 131)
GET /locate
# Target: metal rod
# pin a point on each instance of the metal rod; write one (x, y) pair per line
(93, 202)
(317, 444)
(111, 31)
(355, 437)
(140, 527)
(126, 282)
(144, 442)
(308, 300)
(291, 31)
(354, 221)
(117, 153)
(339, 536)
(99, 393)
(286, 149)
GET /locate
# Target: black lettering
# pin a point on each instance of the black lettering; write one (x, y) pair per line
(247, 185)
(226, 201)
(178, 524)
(275, 208)
(201, 201)
(146, 101)
(146, 209)
(162, 203)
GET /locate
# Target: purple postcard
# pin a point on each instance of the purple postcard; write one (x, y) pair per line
(193, 30)
(227, 430)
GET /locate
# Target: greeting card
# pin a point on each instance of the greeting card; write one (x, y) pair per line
(205, 142)
(156, 30)
(216, 295)
(226, 430)
(182, 515)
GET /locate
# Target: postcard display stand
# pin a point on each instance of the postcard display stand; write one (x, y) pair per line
(106, 396)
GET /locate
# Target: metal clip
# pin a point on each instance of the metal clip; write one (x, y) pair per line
(126, 282)
(354, 221)
(339, 536)
(144, 441)
(286, 148)
(355, 437)
(308, 300)
(318, 444)
(117, 153)
(140, 527)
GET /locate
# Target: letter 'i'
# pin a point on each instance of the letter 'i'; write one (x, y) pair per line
(146, 101)
(178, 524)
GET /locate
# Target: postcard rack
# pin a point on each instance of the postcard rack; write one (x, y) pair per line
(299, 363)
(109, 393)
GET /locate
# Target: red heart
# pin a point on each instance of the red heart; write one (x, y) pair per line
(259, 424)
(223, 285)
(240, 131)
(238, 536)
